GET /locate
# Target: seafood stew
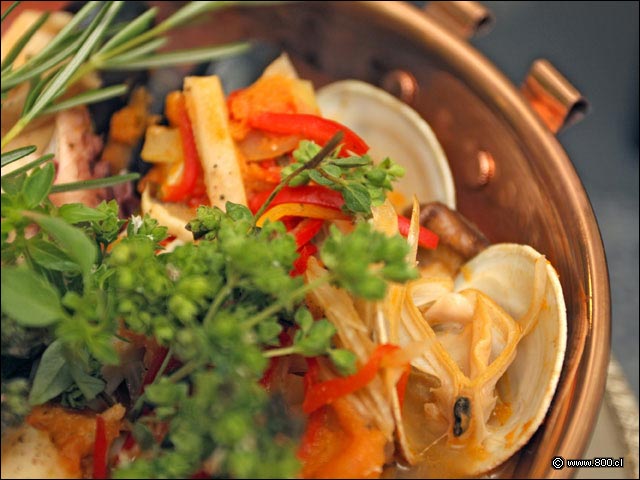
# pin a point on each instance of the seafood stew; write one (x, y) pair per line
(304, 309)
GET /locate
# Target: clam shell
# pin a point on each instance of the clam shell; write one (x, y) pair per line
(506, 273)
(393, 129)
(521, 294)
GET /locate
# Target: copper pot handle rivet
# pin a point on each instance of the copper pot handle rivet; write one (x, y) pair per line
(553, 98)
(480, 170)
(464, 19)
(401, 84)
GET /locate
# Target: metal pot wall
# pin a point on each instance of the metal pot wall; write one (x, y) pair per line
(512, 177)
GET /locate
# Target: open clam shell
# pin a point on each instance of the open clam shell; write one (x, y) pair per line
(514, 276)
(507, 307)
(392, 129)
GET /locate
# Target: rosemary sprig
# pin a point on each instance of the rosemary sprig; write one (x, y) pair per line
(24, 39)
(88, 97)
(28, 166)
(17, 154)
(94, 183)
(78, 50)
(9, 10)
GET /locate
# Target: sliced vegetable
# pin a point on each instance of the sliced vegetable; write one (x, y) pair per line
(339, 443)
(308, 194)
(324, 197)
(300, 264)
(220, 160)
(327, 392)
(261, 177)
(162, 145)
(426, 238)
(192, 167)
(310, 127)
(100, 450)
(258, 146)
(306, 230)
(273, 92)
(301, 210)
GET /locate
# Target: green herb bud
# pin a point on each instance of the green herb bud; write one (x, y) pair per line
(120, 255)
(184, 309)
(194, 288)
(343, 360)
(231, 428)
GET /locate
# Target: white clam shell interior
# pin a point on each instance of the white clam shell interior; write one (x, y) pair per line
(505, 273)
(392, 129)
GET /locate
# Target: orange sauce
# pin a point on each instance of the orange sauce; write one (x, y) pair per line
(502, 412)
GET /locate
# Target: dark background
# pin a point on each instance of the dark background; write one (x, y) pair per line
(595, 45)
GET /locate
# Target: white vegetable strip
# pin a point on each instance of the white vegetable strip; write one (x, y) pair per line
(353, 335)
(174, 216)
(207, 110)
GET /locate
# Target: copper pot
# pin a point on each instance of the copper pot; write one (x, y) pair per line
(512, 177)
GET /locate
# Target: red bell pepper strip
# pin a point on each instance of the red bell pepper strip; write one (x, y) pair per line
(311, 194)
(300, 263)
(100, 449)
(306, 230)
(426, 238)
(129, 442)
(311, 127)
(325, 197)
(192, 168)
(324, 393)
(267, 377)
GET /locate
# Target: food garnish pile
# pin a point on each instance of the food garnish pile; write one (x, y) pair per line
(258, 299)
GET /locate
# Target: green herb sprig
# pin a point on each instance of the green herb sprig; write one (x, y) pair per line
(217, 305)
(78, 50)
(361, 182)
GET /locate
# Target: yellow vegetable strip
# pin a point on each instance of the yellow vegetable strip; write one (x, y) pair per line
(301, 210)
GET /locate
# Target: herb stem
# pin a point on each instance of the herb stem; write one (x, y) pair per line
(164, 364)
(279, 352)
(94, 183)
(184, 371)
(160, 29)
(294, 297)
(14, 131)
(221, 296)
(9, 10)
(311, 164)
(28, 166)
(333, 178)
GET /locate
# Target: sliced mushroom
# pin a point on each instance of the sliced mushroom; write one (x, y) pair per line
(454, 230)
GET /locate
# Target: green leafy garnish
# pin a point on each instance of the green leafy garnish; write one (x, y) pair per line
(362, 183)
(364, 261)
(220, 306)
